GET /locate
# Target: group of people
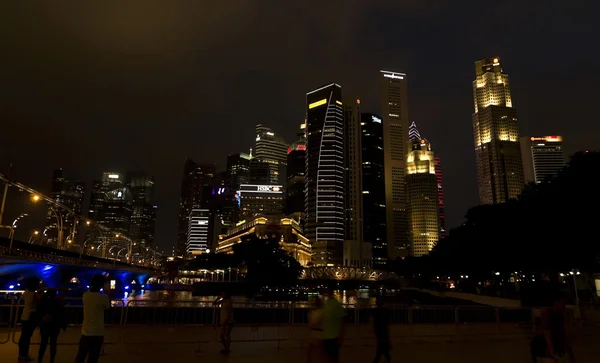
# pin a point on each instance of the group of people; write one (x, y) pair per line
(326, 322)
(45, 308)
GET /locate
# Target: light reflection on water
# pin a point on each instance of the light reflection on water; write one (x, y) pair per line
(185, 299)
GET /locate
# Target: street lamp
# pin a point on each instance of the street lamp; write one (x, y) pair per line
(33, 236)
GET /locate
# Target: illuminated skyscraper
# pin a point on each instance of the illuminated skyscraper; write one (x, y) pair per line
(198, 231)
(296, 167)
(543, 157)
(268, 163)
(143, 211)
(324, 187)
(373, 188)
(394, 112)
(422, 193)
(70, 194)
(355, 252)
(496, 134)
(440, 189)
(238, 170)
(196, 188)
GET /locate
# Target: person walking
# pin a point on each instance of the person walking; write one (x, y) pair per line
(29, 318)
(315, 338)
(92, 331)
(381, 328)
(333, 327)
(226, 320)
(53, 319)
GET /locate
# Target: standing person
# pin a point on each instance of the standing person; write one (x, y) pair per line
(381, 328)
(92, 331)
(29, 317)
(315, 339)
(333, 327)
(554, 326)
(226, 320)
(52, 314)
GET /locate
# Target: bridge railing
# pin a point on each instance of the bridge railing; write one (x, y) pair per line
(193, 322)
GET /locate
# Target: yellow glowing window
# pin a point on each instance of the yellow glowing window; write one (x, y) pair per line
(338, 102)
(317, 104)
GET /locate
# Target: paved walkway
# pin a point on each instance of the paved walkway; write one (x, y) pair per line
(418, 352)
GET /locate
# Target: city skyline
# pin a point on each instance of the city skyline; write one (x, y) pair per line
(151, 113)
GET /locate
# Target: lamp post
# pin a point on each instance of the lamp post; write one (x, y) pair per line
(33, 236)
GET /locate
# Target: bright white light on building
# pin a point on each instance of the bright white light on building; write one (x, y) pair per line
(113, 176)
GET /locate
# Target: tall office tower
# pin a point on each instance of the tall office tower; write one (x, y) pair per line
(268, 164)
(496, 134)
(394, 113)
(238, 170)
(143, 212)
(353, 245)
(422, 198)
(440, 194)
(196, 187)
(543, 157)
(373, 184)
(324, 186)
(111, 203)
(198, 231)
(260, 201)
(296, 165)
(69, 194)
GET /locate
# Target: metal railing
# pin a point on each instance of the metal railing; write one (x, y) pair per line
(193, 322)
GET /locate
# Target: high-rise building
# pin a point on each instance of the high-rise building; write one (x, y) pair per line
(296, 165)
(70, 194)
(543, 157)
(353, 245)
(268, 164)
(260, 201)
(198, 231)
(373, 188)
(422, 193)
(196, 188)
(440, 189)
(496, 134)
(324, 187)
(113, 203)
(143, 211)
(238, 170)
(394, 113)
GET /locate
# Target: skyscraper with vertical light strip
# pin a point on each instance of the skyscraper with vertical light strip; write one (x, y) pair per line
(496, 135)
(394, 113)
(324, 184)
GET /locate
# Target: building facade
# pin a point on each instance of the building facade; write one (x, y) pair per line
(296, 165)
(269, 161)
(422, 193)
(287, 230)
(143, 210)
(394, 113)
(440, 193)
(238, 170)
(496, 135)
(373, 188)
(70, 194)
(196, 188)
(260, 200)
(353, 245)
(324, 186)
(198, 238)
(543, 157)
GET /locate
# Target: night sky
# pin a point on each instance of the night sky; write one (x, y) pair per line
(100, 87)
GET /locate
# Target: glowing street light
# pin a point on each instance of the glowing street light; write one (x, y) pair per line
(35, 198)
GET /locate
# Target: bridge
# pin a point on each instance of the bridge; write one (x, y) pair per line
(62, 268)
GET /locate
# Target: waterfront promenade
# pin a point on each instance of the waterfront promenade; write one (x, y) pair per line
(489, 351)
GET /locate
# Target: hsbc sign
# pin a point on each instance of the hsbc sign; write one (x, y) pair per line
(253, 188)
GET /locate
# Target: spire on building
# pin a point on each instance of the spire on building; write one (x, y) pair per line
(413, 132)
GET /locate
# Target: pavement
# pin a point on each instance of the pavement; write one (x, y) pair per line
(164, 344)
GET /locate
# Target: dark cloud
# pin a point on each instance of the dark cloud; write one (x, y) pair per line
(142, 84)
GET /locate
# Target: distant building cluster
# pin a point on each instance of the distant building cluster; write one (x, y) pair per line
(355, 188)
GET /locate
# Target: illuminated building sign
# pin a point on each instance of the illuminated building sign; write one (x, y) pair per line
(113, 176)
(375, 119)
(317, 104)
(296, 147)
(218, 191)
(253, 188)
(393, 76)
(547, 138)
